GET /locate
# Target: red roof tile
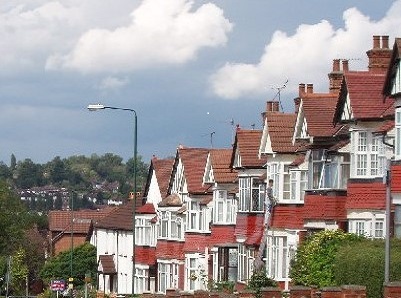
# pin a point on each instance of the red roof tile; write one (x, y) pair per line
(222, 171)
(163, 168)
(106, 265)
(194, 162)
(365, 92)
(146, 209)
(366, 195)
(281, 129)
(119, 219)
(61, 220)
(247, 143)
(319, 111)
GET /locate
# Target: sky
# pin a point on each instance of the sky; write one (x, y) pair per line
(191, 70)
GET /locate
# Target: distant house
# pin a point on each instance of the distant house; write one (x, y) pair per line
(72, 228)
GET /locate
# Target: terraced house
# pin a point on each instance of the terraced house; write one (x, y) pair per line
(334, 162)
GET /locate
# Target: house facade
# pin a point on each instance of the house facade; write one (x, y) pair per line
(328, 165)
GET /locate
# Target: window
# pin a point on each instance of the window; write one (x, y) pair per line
(367, 156)
(141, 279)
(195, 271)
(246, 258)
(145, 232)
(225, 208)
(329, 171)
(368, 225)
(170, 226)
(252, 192)
(278, 256)
(198, 216)
(398, 133)
(167, 276)
(298, 184)
(226, 264)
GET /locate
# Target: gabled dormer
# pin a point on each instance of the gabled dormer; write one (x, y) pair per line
(347, 114)
(208, 177)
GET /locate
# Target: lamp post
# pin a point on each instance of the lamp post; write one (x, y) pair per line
(97, 107)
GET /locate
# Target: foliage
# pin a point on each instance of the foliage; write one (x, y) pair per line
(83, 262)
(14, 220)
(226, 286)
(258, 281)
(19, 272)
(314, 262)
(362, 263)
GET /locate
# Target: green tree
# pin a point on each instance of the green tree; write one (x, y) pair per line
(13, 162)
(14, 220)
(83, 261)
(314, 262)
(19, 272)
(29, 174)
(5, 172)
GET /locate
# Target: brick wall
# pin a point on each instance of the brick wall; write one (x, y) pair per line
(391, 290)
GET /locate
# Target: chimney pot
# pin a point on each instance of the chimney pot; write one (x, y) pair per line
(309, 88)
(345, 65)
(385, 42)
(376, 41)
(301, 89)
(336, 65)
(272, 106)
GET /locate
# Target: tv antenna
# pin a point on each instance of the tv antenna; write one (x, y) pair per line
(278, 94)
(211, 137)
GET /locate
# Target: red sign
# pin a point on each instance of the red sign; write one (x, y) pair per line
(57, 285)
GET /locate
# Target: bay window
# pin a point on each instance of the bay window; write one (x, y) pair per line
(397, 148)
(367, 156)
(170, 226)
(168, 275)
(198, 216)
(224, 208)
(225, 264)
(246, 258)
(145, 232)
(298, 184)
(252, 194)
(367, 224)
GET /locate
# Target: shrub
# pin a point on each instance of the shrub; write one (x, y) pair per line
(258, 281)
(362, 263)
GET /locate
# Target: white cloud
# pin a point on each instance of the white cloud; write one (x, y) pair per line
(112, 83)
(160, 32)
(306, 56)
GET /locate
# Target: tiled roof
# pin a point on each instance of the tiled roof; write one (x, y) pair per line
(365, 92)
(194, 162)
(385, 127)
(319, 110)
(281, 129)
(393, 65)
(146, 209)
(366, 195)
(247, 143)
(298, 160)
(106, 265)
(61, 220)
(119, 219)
(163, 168)
(222, 171)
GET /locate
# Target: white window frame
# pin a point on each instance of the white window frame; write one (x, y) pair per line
(246, 258)
(368, 225)
(168, 275)
(224, 207)
(278, 256)
(367, 155)
(251, 194)
(397, 148)
(145, 232)
(141, 279)
(298, 184)
(171, 226)
(198, 216)
(196, 275)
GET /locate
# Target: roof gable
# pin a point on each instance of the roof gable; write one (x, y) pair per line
(392, 84)
(220, 165)
(278, 131)
(246, 149)
(361, 97)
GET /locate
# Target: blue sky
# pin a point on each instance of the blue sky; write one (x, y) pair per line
(190, 69)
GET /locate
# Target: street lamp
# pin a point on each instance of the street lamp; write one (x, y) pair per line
(97, 107)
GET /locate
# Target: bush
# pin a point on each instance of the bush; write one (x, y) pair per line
(258, 281)
(362, 263)
(314, 261)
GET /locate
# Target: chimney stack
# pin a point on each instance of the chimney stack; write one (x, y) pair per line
(336, 75)
(380, 55)
(301, 89)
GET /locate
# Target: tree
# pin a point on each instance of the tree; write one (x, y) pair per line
(59, 267)
(19, 272)
(29, 174)
(14, 220)
(314, 261)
